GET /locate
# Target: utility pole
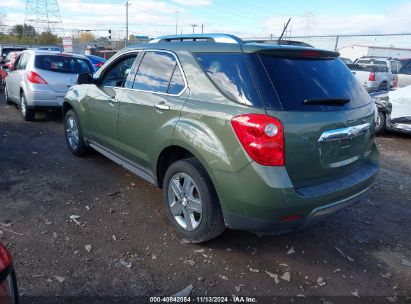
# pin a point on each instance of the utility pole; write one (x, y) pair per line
(202, 28)
(194, 25)
(177, 13)
(125, 41)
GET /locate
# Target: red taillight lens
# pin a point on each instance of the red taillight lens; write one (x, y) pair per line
(395, 81)
(262, 137)
(372, 76)
(310, 53)
(99, 65)
(33, 77)
(5, 258)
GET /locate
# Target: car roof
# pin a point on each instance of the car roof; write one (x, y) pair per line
(45, 52)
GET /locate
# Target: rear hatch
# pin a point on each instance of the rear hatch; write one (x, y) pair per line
(328, 117)
(60, 71)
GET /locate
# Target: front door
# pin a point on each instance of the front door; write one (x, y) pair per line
(103, 102)
(150, 108)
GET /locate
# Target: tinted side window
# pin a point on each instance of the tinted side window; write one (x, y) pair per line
(229, 73)
(22, 61)
(177, 82)
(406, 68)
(155, 72)
(117, 73)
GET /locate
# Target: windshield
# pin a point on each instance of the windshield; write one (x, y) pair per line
(62, 64)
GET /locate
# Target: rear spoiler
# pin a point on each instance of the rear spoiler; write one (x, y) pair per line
(299, 53)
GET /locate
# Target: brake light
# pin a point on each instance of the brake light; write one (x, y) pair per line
(310, 54)
(372, 76)
(33, 77)
(99, 64)
(262, 137)
(395, 81)
(5, 258)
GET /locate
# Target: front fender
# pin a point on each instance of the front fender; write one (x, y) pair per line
(76, 99)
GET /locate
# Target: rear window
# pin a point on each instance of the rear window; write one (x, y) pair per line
(62, 64)
(299, 79)
(229, 73)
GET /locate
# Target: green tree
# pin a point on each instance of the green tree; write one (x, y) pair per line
(23, 30)
(48, 38)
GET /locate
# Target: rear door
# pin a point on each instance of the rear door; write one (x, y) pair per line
(150, 107)
(16, 77)
(328, 117)
(103, 102)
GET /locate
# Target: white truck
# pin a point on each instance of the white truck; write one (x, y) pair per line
(372, 78)
(385, 73)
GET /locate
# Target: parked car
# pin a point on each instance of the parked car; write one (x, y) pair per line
(404, 74)
(398, 118)
(259, 137)
(96, 61)
(392, 66)
(7, 66)
(372, 78)
(40, 79)
(346, 60)
(8, 282)
(7, 48)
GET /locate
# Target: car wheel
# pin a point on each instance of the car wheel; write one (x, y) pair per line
(74, 135)
(191, 201)
(380, 123)
(26, 112)
(6, 96)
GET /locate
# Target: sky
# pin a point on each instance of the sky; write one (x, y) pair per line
(245, 18)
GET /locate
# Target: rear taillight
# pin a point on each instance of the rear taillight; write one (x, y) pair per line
(33, 77)
(99, 65)
(5, 258)
(262, 137)
(372, 76)
(395, 81)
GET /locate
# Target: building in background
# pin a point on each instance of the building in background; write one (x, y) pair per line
(356, 51)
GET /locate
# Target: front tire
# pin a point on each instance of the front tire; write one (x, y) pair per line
(74, 135)
(191, 201)
(27, 113)
(380, 123)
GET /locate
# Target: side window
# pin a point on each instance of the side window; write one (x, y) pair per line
(155, 72)
(394, 67)
(21, 64)
(177, 82)
(117, 74)
(229, 73)
(406, 68)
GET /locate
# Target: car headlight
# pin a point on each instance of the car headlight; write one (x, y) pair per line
(8, 283)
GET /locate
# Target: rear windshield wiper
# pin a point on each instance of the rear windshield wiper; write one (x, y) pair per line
(327, 101)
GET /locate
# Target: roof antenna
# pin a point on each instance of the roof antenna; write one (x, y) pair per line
(284, 29)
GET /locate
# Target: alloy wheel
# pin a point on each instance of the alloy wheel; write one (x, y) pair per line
(185, 201)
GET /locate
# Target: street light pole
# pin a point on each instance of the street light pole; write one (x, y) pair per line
(177, 13)
(194, 25)
(125, 41)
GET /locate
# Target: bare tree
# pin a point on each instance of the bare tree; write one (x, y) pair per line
(2, 21)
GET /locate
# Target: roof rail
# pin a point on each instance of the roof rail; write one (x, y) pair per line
(219, 38)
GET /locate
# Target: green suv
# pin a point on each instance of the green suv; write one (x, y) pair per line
(260, 137)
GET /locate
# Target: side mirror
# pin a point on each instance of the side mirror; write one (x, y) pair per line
(84, 78)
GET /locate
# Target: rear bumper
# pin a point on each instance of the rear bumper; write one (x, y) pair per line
(258, 198)
(44, 99)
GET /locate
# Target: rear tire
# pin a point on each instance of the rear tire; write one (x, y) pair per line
(194, 209)
(27, 113)
(74, 135)
(380, 123)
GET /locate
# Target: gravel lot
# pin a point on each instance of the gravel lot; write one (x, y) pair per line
(363, 251)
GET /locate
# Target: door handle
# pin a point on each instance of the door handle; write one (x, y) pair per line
(113, 100)
(162, 107)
